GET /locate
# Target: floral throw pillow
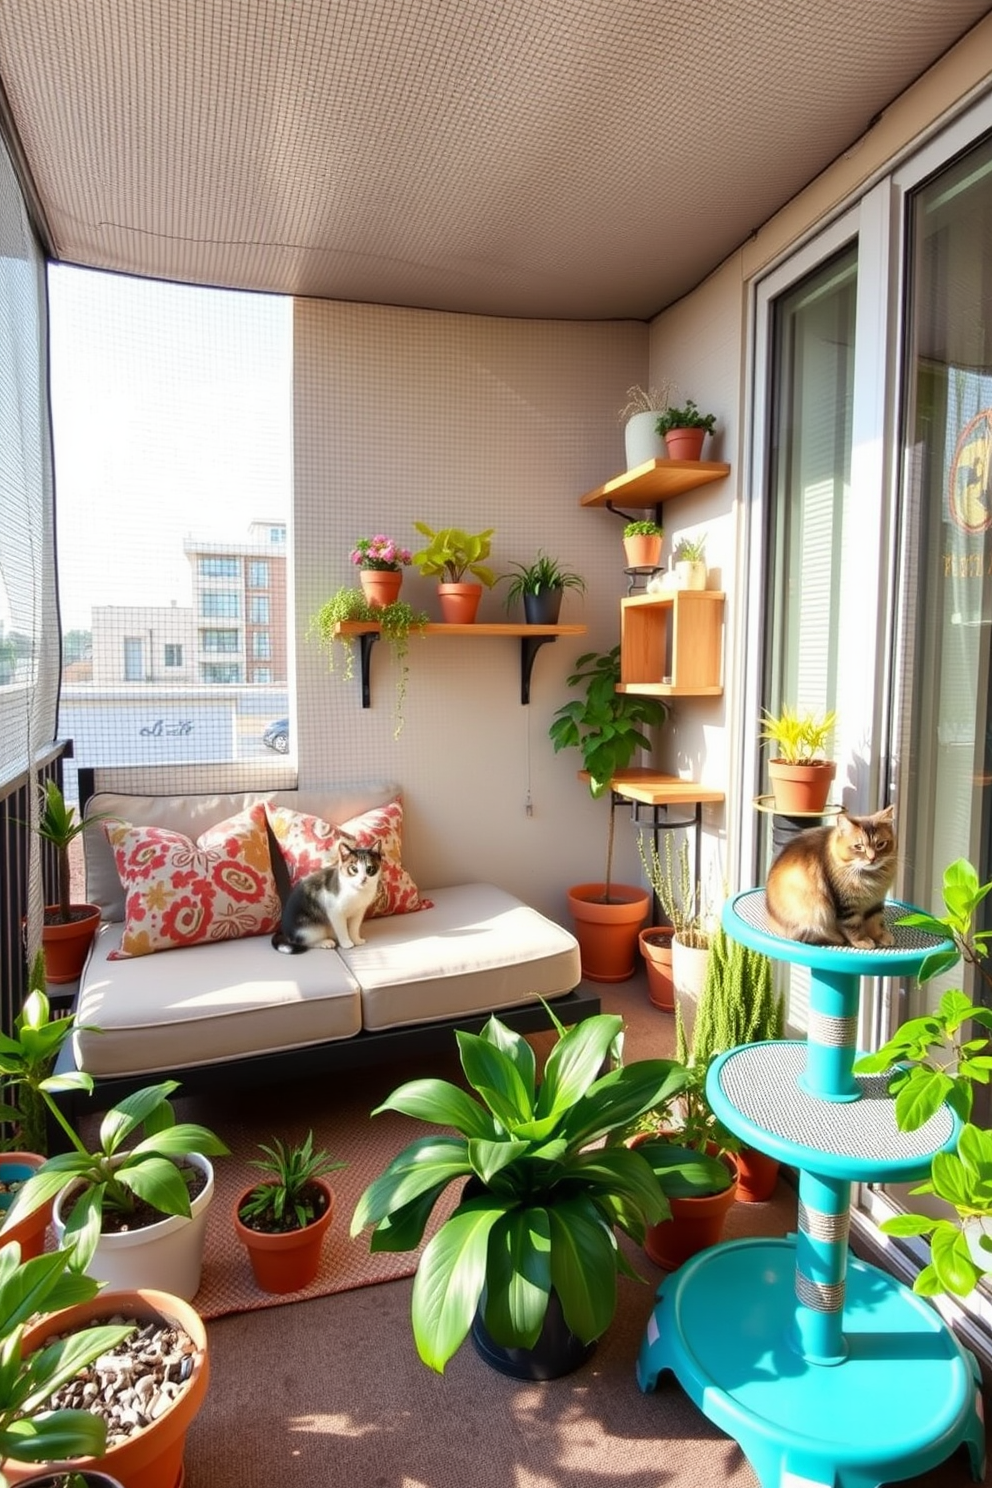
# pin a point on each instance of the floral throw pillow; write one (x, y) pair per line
(178, 892)
(307, 844)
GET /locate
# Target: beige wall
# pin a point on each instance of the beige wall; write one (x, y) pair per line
(473, 422)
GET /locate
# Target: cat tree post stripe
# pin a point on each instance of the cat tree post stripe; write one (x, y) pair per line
(833, 1021)
(821, 1268)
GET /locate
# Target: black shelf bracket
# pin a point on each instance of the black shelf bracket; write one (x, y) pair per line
(529, 647)
(630, 517)
(366, 641)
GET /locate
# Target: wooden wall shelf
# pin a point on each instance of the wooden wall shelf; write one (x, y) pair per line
(532, 638)
(652, 483)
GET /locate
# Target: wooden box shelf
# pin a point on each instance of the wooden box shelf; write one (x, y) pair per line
(675, 634)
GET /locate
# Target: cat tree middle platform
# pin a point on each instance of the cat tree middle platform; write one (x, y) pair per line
(825, 1369)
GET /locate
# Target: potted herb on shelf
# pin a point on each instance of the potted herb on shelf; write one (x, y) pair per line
(125, 1209)
(642, 544)
(800, 773)
(605, 726)
(380, 561)
(639, 416)
(450, 556)
(690, 562)
(282, 1222)
(69, 928)
(528, 1261)
(684, 430)
(394, 623)
(541, 586)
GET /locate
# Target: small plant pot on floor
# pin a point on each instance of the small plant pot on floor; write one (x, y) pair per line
(286, 1260)
(656, 947)
(15, 1168)
(66, 946)
(696, 1223)
(607, 929)
(757, 1175)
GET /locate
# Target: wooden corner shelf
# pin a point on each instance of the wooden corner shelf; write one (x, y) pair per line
(650, 484)
(532, 638)
(671, 643)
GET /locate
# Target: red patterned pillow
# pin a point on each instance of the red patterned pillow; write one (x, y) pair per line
(178, 892)
(307, 843)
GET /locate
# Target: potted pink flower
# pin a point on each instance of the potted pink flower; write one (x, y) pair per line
(380, 561)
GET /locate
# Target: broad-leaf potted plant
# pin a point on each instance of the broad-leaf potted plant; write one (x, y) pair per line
(684, 430)
(380, 561)
(642, 544)
(393, 622)
(605, 726)
(532, 1240)
(126, 1211)
(282, 1221)
(541, 586)
(639, 415)
(940, 1057)
(799, 771)
(69, 928)
(451, 556)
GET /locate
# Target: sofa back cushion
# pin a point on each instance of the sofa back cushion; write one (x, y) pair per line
(193, 815)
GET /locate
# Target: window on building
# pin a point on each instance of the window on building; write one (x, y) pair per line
(220, 604)
(216, 672)
(220, 568)
(261, 645)
(262, 675)
(173, 656)
(220, 640)
(277, 534)
(258, 574)
(259, 608)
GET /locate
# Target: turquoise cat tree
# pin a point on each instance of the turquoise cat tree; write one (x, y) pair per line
(827, 1371)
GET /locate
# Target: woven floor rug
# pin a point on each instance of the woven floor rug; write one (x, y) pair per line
(338, 1111)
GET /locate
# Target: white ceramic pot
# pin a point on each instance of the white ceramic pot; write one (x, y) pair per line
(688, 977)
(166, 1257)
(690, 573)
(640, 440)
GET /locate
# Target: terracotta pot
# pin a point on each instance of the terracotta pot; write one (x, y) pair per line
(291, 1260)
(656, 948)
(67, 946)
(459, 603)
(153, 1456)
(543, 608)
(30, 1231)
(694, 1225)
(642, 552)
(757, 1175)
(380, 585)
(607, 933)
(799, 789)
(685, 444)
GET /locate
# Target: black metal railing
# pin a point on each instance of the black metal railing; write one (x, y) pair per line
(15, 837)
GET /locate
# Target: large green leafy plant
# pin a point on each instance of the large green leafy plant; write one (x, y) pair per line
(116, 1176)
(543, 1203)
(605, 726)
(938, 1057)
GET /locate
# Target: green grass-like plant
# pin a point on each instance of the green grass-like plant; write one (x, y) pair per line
(800, 738)
(284, 1200)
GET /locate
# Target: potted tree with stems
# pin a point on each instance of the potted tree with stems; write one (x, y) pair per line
(393, 622)
(450, 556)
(642, 544)
(541, 586)
(606, 727)
(684, 430)
(69, 928)
(639, 415)
(799, 771)
(940, 1057)
(282, 1222)
(691, 919)
(528, 1260)
(134, 1210)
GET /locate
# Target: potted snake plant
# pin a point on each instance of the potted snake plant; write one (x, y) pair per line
(283, 1221)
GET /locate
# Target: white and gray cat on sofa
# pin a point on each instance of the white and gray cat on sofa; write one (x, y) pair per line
(327, 907)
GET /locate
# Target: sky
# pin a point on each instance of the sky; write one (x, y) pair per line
(172, 413)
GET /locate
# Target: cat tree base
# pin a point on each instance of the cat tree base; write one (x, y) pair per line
(903, 1399)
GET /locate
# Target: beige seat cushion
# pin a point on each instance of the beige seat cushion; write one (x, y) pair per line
(478, 950)
(204, 1004)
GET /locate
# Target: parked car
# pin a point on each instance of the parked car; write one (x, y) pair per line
(276, 736)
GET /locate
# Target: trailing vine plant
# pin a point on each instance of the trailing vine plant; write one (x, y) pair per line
(395, 622)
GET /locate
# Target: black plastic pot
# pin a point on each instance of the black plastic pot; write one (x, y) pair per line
(557, 1351)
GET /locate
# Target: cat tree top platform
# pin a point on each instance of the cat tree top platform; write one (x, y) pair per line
(745, 918)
